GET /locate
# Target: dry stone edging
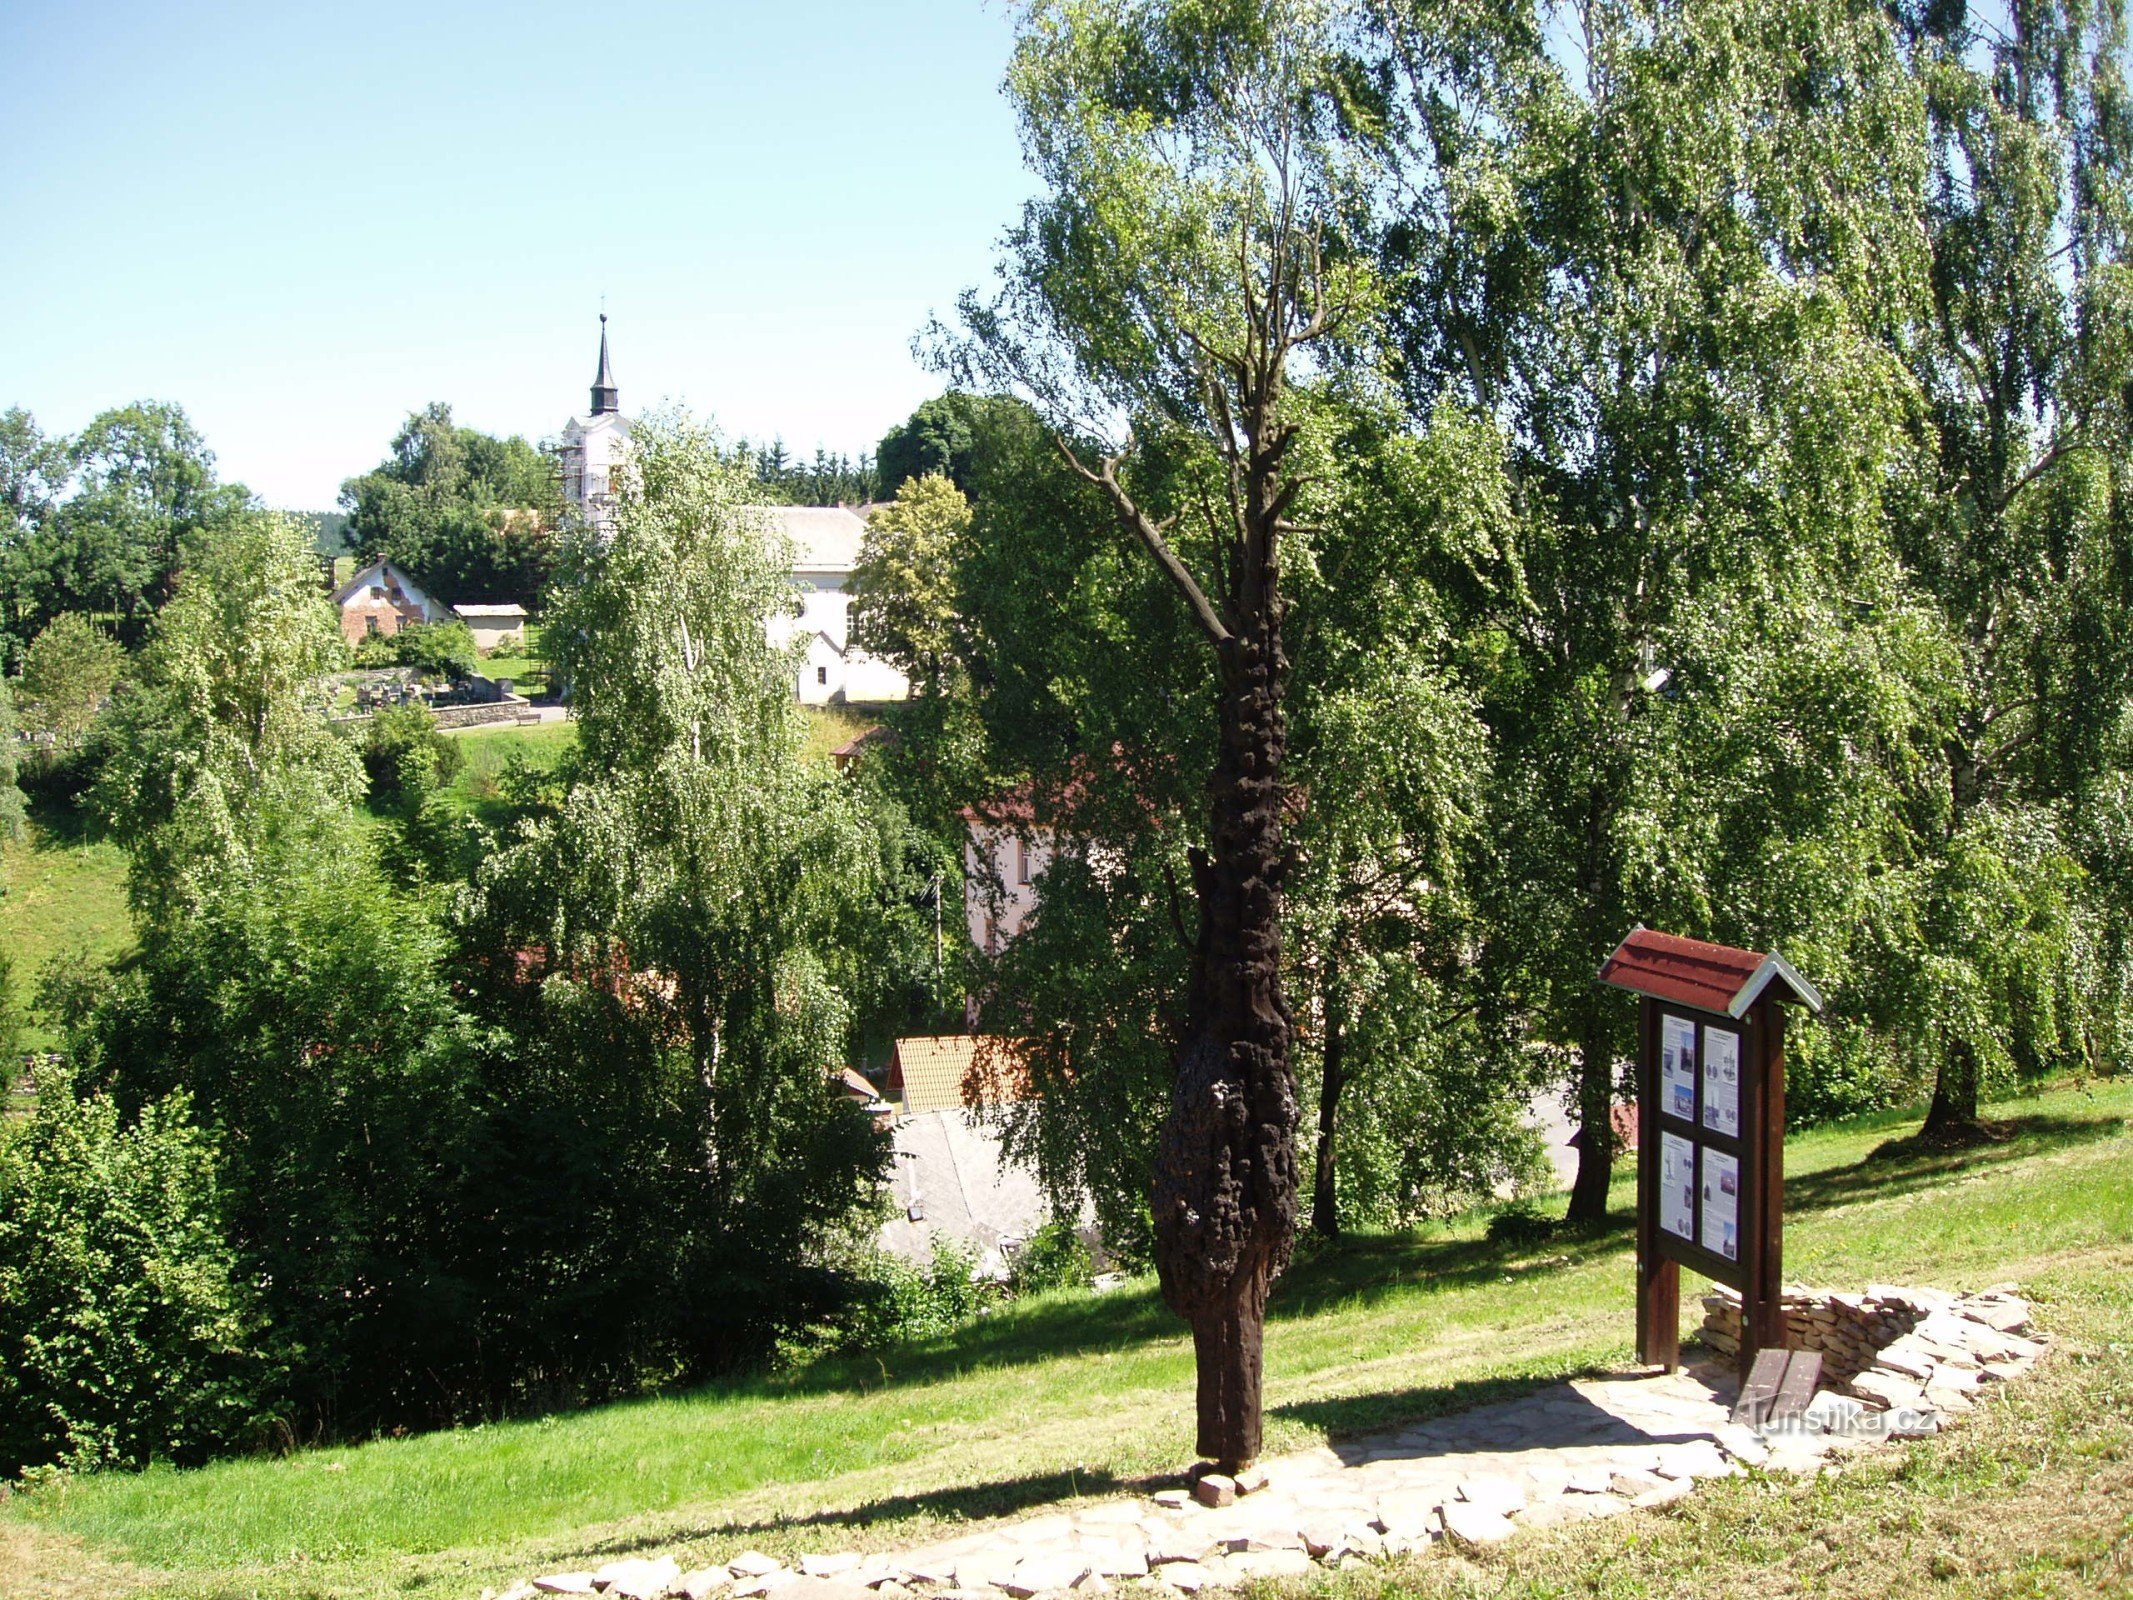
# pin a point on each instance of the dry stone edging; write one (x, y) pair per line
(1898, 1363)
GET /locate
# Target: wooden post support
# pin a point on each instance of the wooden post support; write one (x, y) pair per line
(1658, 1277)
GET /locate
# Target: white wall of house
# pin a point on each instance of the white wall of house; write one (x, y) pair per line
(999, 860)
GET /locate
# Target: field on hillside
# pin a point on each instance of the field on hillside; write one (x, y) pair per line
(1079, 1394)
(66, 893)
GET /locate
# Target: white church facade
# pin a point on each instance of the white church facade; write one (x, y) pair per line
(824, 543)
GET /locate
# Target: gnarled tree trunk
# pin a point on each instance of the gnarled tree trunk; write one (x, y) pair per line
(1226, 1182)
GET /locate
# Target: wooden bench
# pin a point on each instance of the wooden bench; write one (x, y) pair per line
(1780, 1386)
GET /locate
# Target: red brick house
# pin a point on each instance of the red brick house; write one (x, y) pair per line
(383, 599)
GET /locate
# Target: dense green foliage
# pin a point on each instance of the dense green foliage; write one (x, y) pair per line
(939, 438)
(436, 649)
(405, 755)
(1699, 450)
(11, 799)
(781, 478)
(68, 673)
(470, 517)
(101, 523)
(126, 1332)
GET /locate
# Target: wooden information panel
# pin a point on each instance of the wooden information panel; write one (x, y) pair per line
(1710, 1130)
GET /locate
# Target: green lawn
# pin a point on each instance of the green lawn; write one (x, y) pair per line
(1070, 1394)
(489, 749)
(66, 892)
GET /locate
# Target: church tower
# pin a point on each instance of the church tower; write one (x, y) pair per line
(606, 402)
(591, 449)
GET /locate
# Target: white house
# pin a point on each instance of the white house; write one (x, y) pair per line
(381, 599)
(825, 543)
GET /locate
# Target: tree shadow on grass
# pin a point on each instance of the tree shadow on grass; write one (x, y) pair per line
(1900, 1167)
(1357, 1272)
(1351, 1273)
(1356, 1422)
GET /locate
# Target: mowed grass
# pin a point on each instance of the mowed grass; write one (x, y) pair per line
(66, 895)
(487, 751)
(1059, 1397)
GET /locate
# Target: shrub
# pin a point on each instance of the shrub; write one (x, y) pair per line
(12, 1019)
(444, 649)
(1056, 1257)
(407, 756)
(509, 645)
(125, 1335)
(901, 1301)
(438, 649)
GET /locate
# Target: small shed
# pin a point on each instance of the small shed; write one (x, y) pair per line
(492, 624)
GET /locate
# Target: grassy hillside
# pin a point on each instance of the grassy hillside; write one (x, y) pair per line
(1076, 1394)
(66, 892)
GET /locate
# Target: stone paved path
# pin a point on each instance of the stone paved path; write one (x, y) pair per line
(1583, 1449)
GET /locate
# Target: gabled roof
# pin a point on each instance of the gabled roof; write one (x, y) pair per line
(1710, 977)
(946, 1071)
(824, 538)
(510, 611)
(391, 578)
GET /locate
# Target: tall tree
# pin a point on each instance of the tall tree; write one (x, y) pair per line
(942, 436)
(281, 981)
(683, 921)
(68, 673)
(1180, 267)
(1660, 261)
(903, 596)
(33, 475)
(470, 516)
(11, 800)
(227, 714)
(141, 497)
(2023, 533)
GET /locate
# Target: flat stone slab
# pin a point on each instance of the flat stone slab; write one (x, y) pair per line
(1474, 1526)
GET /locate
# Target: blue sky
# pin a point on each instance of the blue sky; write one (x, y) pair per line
(301, 221)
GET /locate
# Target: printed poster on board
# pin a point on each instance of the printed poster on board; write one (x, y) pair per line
(1677, 1186)
(1677, 1067)
(1721, 1203)
(1721, 1082)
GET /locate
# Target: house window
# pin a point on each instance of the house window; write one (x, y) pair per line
(822, 675)
(370, 627)
(1022, 860)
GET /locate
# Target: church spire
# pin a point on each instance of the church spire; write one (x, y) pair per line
(605, 400)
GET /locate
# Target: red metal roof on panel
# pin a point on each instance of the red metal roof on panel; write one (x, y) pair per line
(1687, 971)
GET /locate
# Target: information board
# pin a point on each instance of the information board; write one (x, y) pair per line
(1677, 1067)
(1710, 1128)
(1720, 1213)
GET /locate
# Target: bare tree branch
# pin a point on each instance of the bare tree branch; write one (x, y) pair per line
(1137, 522)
